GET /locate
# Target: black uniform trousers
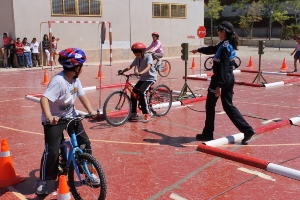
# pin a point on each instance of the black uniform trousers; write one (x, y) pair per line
(232, 112)
(141, 88)
(53, 136)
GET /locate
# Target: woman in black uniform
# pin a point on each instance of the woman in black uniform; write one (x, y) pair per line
(222, 83)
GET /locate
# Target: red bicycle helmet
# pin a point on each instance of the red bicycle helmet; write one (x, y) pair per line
(155, 33)
(138, 47)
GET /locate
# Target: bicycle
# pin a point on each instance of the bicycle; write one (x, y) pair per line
(163, 69)
(80, 167)
(208, 64)
(117, 106)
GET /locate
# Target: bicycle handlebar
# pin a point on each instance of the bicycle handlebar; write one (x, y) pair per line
(69, 119)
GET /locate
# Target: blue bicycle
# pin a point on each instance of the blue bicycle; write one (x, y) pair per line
(86, 177)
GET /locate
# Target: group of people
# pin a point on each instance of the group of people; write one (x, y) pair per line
(27, 53)
(56, 102)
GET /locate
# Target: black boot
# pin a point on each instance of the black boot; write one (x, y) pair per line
(204, 137)
(248, 136)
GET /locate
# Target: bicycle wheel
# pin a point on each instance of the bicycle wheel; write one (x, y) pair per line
(88, 188)
(208, 64)
(164, 68)
(160, 100)
(117, 108)
(237, 61)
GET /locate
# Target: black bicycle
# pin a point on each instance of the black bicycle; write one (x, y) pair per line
(208, 64)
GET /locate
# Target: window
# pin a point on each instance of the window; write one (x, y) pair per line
(77, 7)
(168, 10)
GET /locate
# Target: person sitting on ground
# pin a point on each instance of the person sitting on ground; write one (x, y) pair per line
(156, 48)
(11, 54)
(222, 83)
(6, 43)
(27, 52)
(19, 49)
(297, 54)
(58, 101)
(35, 53)
(144, 67)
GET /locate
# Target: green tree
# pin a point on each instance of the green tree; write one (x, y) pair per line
(254, 14)
(280, 17)
(240, 6)
(212, 10)
(295, 6)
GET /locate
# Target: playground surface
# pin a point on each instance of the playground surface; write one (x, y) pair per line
(159, 159)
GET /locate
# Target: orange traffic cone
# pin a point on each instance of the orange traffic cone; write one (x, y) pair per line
(166, 67)
(8, 175)
(193, 64)
(46, 78)
(100, 74)
(63, 189)
(283, 67)
(250, 63)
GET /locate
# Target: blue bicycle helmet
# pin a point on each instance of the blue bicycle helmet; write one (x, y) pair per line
(71, 57)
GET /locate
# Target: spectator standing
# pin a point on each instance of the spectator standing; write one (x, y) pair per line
(35, 53)
(27, 52)
(11, 54)
(19, 47)
(6, 42)
(54, 48)
(46, 49)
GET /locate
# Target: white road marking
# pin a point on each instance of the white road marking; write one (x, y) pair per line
(176, 197)
(270, 120)
(16, 193)
(261, 175)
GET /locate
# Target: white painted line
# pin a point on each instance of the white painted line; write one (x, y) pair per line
(284, 171)
(16, 193)
(27, 106)
(176, 197)
(261, 175)
(280, 83)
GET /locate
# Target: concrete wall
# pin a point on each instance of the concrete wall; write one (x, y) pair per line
(131, 21)
(7, 19)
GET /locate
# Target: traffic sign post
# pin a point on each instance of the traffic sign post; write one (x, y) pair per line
(201, 32)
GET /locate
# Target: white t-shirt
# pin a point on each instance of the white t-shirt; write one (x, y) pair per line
(35, 47)
(62, 95)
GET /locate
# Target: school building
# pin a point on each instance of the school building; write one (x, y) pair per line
(176, 21)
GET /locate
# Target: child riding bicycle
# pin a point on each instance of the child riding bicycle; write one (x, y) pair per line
(156, 48)
(147, 73)
(58, 101)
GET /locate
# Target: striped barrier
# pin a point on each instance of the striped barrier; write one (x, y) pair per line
(251, 161)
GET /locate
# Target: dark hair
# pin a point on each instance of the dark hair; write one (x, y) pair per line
(34, 38)
(233, 39)
(18, 38)
(45, 36)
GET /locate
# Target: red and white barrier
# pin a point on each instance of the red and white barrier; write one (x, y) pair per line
(251, 161)
(225, 140)
(268, 85)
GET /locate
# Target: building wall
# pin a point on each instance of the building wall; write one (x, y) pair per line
(7, 18)
(131, 21)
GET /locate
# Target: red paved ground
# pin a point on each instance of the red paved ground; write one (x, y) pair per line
(154, 160)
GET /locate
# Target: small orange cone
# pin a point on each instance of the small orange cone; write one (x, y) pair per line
(250, 63)
(100, 74)
(166, 67)
(193, 64)
(283, 67)
(46, 78)
(8, 175)
(63, 189)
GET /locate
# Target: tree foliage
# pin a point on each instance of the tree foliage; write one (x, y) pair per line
(294, 5)
(212, 10)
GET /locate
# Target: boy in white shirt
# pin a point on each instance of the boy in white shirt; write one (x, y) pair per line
(35, 53)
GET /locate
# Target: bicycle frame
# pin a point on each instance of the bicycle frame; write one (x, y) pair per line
(70, 149)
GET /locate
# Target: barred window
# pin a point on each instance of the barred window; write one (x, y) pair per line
(169, 10)
(77, 7)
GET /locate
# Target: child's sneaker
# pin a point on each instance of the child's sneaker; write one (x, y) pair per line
(41, 188)
(147, 118)
(133, 116)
